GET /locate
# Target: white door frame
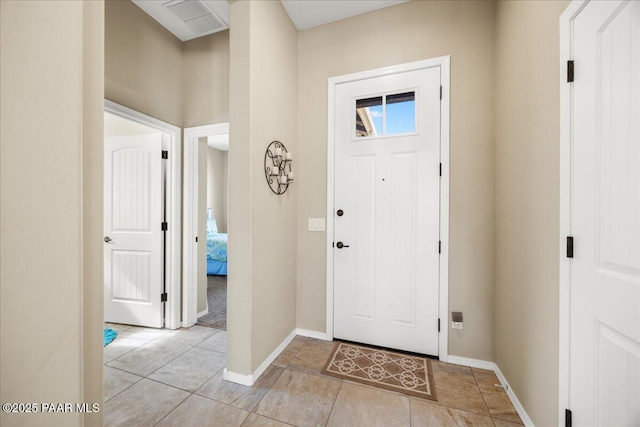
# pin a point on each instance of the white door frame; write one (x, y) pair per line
(190, 225)
(566, 163)
(172, 308)
(443, 305)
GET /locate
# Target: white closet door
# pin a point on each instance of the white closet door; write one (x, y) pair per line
(132, 228)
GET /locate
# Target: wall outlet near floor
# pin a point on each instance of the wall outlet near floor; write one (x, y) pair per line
(456, 320)
(316, 224)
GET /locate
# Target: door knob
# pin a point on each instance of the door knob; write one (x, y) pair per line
(341, 245)
(340, 212)
(107, 239)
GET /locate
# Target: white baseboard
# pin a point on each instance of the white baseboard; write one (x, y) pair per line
(202, 313)
(237, 378)
(514, 399)
(248, 380)
(491, 366)
(312, 334)
(472, 363)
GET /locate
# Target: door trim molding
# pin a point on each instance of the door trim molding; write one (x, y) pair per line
(190, 222)
(174, 198)
(566, 143)
(443, 299)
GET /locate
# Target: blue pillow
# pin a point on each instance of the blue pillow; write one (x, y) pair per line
(212, 227)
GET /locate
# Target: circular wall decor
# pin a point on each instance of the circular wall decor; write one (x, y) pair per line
(277, 167)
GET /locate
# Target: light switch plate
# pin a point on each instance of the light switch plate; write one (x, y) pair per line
(316, 224)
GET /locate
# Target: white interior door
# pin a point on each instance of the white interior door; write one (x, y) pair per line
(133, 230)
(387, 202)
(605, 216)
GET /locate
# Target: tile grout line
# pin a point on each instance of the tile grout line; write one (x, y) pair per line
(333, 405)
(253, 411)
(494, 417)
(483, 399)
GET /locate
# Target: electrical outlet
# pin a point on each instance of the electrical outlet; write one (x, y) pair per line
(456, 325)
(316, 224)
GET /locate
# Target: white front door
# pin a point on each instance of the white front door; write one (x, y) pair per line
(605, 216)
(133, 230)
(387, 208)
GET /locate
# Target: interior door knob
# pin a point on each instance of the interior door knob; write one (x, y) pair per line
(340, 212)
(107, 239)
(341, 245)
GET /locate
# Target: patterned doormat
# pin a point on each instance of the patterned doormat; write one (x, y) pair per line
(380, 368)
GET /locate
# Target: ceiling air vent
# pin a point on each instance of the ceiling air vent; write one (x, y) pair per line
(196, 15)
(188, 19)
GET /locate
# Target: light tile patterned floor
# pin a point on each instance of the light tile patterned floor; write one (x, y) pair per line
(174, 378)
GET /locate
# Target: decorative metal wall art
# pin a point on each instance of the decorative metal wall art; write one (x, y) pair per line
(277, 167)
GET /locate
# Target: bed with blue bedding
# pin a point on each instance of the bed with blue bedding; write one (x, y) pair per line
(216, 250)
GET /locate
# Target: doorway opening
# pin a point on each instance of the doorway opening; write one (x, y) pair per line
(205, 226)
(141, 219)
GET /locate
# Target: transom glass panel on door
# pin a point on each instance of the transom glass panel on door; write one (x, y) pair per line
(385, 115)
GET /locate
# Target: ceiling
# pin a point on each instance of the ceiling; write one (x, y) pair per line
(219, 142)
(307, 14)
(190, 19)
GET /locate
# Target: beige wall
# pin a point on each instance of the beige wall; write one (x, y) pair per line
(216, 186)
(240, 227)
(50, 127)
(395, 35)
(273, 105)
(263, 40)
(92, 210)
(143, 63)
(206, 80)
(527, 202)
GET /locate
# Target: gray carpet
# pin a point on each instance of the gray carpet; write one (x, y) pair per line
(217, 297)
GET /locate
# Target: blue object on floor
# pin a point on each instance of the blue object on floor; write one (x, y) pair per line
(109, 335)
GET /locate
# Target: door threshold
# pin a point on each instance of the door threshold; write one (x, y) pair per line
(394, 350)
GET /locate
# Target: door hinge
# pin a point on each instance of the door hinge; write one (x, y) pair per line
(438, 324)
(567, 418)
(163, 297)
(439, 246)
(440, 169)
(570, 71)
(165, 226)
(569, 246)
(440, 91)
(165, 154)
(196, 239)
(333, 244)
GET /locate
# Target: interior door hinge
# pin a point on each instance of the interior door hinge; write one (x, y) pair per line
(567, 417)
(570, 71)
(440, 91)
(196, 239)
(438, 325)
(165, 226)
(439, 246)
(569, 246)
(165, 154)
(440, 169)
(163, 297)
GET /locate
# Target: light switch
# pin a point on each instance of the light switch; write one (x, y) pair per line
(316, 224)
